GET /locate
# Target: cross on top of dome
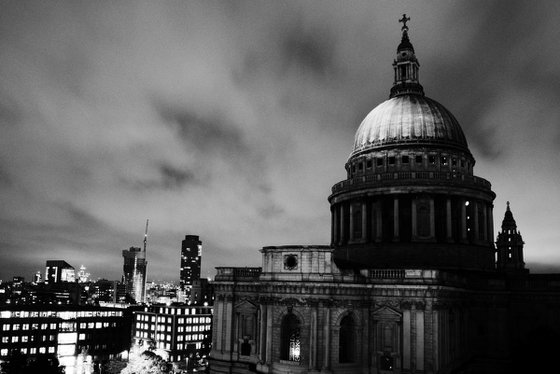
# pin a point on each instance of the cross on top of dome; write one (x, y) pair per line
(404, 20)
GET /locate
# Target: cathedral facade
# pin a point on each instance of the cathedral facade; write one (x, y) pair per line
(413, 280)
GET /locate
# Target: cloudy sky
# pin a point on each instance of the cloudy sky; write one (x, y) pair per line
(232, 120)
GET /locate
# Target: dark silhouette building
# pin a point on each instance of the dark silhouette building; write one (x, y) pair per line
(191, 252)
(412, 281)
(57, 271)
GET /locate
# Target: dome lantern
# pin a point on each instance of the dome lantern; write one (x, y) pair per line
(406, 66)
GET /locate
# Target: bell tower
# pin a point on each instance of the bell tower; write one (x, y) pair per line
(509, 245)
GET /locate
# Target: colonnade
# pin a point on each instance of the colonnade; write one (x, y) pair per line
(403, 218)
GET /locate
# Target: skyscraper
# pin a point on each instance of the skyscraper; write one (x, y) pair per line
(134, 273)
(191, 249)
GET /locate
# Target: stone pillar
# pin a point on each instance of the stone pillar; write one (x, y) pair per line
(228, 324)
(268, 355)
(435, 339)
(333, 226)
(432, 219)
(419, 320)
(313, 335)
(448, 220)
(406, 339)
(219, 326)
(414, 220)
(341, 236)
(475, 213)
(490, 222)
(351, 218)
(396, 219)
(379, 222)
(485, 222)
(364, 222)
(327, 339)
(262, 333)
(463, 220)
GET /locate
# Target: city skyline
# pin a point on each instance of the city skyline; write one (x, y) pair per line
(231, 121)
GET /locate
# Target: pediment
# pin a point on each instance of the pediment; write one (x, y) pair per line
(245, 306)
(386, 313)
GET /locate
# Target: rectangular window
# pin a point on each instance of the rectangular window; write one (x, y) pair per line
(369, 164)
(418, 159)
(443, 160)
(405, 159)
(361, 166)
(432, 159)
(379, 162)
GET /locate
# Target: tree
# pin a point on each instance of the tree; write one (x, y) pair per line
(146, 363)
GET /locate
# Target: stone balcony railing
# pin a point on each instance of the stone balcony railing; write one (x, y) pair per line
(238, 273)
(405, 177)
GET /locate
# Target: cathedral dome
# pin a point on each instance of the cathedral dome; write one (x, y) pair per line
(409, 119)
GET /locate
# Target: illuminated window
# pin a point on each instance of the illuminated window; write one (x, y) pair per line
(25, 326)
(53, 326)
(51, 349)
(5, 339)
(4, 352)
(15, 339)
(6, 328)
(24, 339)
(290, 338)
(32, 351)
(42, 350)
(15, 327)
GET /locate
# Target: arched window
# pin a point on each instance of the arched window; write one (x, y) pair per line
(347, 342)
(290, 335)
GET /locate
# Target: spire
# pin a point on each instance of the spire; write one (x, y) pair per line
(508, 223)
(406, 66)
(509, 245)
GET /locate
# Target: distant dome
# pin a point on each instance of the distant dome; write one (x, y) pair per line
(409, 119)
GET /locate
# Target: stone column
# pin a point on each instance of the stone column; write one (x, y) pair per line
(432, 219)
(219, 326)
(379, 222)
(414, 220)
(396, 219)
(406, 339)
(419, 320)
(341, 236)
(313, 334)
(485, 222)
(262, 333)
(463, 220)
(327, 339)
(333, 226)
(351, 236)
(490, 222)
(228, 324)
(364, 222)
(448, 220)
(268, 354)
(475, 213)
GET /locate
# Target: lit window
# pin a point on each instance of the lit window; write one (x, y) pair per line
(5, 339)
(51, 349)
(15, 327)
(15, 339)
(3, 352)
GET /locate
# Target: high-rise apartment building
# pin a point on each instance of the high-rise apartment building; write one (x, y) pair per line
(134, 273)
(191, 249)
